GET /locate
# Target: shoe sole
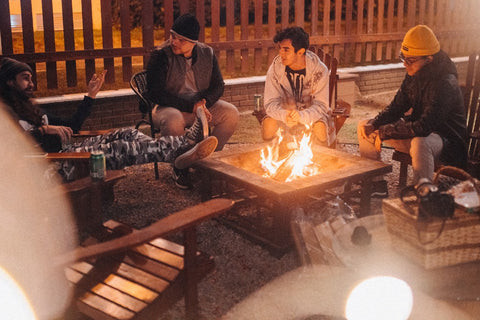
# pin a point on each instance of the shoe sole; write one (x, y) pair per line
(203, 120)
(379, 195)
(180, 186)
(200, 151)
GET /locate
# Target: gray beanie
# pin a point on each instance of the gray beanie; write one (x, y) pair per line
(9, 68)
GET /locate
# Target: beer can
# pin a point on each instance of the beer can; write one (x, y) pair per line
(258, 102)
(97, 165)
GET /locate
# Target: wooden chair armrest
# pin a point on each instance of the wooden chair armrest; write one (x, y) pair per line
(67, 155)
(111, 176)
(91, 133)
(177, 221)
(475, 135)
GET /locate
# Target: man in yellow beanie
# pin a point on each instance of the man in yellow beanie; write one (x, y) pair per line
(435, 128)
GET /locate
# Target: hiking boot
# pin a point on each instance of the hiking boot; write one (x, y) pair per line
(182, 179)
(379, 189)
(200, 151)
(199, 130)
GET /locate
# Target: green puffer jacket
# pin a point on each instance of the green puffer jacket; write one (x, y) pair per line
(435, 98)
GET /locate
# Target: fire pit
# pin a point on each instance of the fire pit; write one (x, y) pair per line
(264, 205)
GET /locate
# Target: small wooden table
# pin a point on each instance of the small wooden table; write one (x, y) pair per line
(87, 196)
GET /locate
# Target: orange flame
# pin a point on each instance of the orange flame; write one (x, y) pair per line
(297, 163)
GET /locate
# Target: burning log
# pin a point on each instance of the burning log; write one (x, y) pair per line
(285, 169)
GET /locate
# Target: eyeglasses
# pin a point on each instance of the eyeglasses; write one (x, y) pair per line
(409, 61)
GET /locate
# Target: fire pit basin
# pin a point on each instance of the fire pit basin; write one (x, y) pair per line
(322, 163)
(237, 173)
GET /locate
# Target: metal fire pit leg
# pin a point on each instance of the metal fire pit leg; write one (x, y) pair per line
(206, 187)
(365, 197)
(281, 231)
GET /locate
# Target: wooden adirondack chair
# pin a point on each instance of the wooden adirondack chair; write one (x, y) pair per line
(139, 275)
(471, 91)
(340, 109)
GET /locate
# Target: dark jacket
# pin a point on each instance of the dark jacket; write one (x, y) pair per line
(52, 143)
(435, 98)
(166, 76)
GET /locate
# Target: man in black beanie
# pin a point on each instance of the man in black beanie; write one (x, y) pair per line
(182, 76)
(122, 147)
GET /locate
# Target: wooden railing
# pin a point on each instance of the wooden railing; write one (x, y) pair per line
(356, 32)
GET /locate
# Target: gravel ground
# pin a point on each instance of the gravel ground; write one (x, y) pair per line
(241, 266)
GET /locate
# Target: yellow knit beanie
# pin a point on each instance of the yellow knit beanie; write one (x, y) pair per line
(420, 41)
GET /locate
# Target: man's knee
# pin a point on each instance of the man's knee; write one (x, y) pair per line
(320, 131)
(169, 121)
(269, 128)
(362, 122)
(225, 112)
(426, 147)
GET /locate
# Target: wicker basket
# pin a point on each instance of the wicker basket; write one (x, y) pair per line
(458, 242)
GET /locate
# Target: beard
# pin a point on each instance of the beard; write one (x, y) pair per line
(23, 105)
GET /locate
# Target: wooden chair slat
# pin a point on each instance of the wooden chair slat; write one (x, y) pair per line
(158, 242)
(88, 286)
(162, 256)
(340, 109)
(161, 270)
(102, 309)
(144, 278)
(92, 280)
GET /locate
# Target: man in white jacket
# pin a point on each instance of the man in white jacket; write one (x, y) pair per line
(296, 90)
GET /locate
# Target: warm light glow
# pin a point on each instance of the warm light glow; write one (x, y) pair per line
(13, 301)
(380, 298)
(296, 163)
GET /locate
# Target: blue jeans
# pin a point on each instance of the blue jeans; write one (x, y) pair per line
(172, 122)
(425, 151)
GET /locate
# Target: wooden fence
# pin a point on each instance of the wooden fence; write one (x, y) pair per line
(356, 32)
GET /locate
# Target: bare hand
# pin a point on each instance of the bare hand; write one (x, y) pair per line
(65, 133)
(293, 117)
(366, 131)
(289, 104)
(95, 84)
(201, 104)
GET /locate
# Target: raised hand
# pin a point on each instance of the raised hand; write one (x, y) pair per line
(293, 117)
(95, 84)
(201, 104)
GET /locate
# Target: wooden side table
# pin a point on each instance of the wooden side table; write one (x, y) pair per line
(87, 195)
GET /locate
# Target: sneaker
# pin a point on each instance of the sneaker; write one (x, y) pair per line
(199, 130)
(182, 178)
(200, 151)
(379, 189)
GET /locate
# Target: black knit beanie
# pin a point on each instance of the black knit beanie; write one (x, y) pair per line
(187, 26)
(9, 68)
